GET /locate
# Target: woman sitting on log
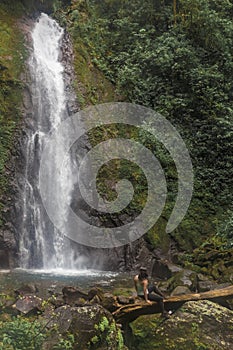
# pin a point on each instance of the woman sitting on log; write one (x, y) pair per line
(148, 293)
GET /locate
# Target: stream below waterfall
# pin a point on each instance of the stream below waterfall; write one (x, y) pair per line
(56, 279)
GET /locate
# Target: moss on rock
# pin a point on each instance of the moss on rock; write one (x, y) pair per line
(198, 325)
(12, 57)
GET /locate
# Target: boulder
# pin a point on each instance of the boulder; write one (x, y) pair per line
(92, 327)
(56, 300)
(72, 295)
(7, 303)
(109, 302)
(205, 284)
(164, 269)
(185, 277)
(59, 318)
(181, 290)
(28, 303)
(197, 325)
(27, 289)
(95, 291)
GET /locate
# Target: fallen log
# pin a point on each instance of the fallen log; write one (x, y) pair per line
(128, 313)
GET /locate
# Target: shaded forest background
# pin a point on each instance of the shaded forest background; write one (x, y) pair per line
(172, 56)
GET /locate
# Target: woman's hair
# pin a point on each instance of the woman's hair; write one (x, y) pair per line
(142, 275)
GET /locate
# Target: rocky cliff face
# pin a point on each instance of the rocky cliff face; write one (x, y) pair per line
(127, 257)
(92, 86)
(11, 160)
(124, 258)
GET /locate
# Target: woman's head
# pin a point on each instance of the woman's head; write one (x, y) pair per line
(143, 275)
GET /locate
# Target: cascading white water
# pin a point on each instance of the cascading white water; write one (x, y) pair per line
(41, 245)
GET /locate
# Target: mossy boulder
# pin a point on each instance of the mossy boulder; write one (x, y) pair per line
(12, 56)
(198, 325)
(184, 278)
(93, 327)
(6, 304)
(215, 259)
(28, 304)
(180, 290)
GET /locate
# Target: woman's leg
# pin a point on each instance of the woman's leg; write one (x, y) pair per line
(158, 298)
(155, 297)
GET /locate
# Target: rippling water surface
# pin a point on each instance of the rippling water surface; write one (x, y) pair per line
(55, 279)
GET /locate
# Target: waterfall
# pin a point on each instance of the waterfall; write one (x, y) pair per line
(41, 244)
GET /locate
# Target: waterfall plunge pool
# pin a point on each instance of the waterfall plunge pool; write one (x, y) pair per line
(55, 280)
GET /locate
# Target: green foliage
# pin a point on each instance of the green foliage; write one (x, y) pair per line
(21, 334)
(91, 85)
(12, 55)
(66, 343)
(107, 334)
(120, 340)
(177, 61)
(225, 230)
(21, 7)
(193, 327)
(182, 67)
(29, 334)
(4, 298)
(104, 324)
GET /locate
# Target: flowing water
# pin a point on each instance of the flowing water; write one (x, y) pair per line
(46, 280)
(41, 245)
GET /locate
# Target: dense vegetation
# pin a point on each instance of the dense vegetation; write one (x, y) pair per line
(174, 57)
(24, 333)
(11, 65)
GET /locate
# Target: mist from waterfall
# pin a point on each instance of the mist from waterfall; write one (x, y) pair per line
(41, 244)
